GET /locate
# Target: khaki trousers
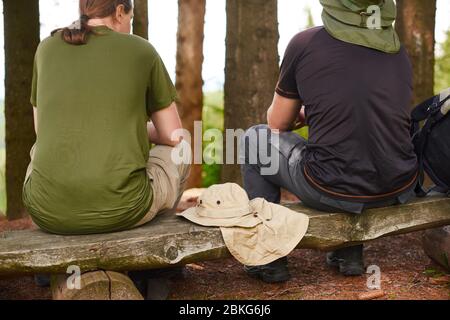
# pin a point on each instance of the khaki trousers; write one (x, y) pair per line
(168, 181)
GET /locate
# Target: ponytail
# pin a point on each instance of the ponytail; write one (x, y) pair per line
(77, 34)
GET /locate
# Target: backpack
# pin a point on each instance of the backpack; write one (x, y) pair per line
(432, 142)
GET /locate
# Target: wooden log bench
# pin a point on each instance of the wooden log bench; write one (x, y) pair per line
(172, 241)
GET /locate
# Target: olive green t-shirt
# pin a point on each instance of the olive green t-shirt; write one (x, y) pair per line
(93, 103)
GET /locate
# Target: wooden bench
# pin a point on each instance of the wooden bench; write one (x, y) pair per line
(172, 241)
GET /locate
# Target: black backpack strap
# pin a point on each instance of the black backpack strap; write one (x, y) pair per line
(429, 110)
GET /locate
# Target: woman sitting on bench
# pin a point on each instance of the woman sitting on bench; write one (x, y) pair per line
(95, 88)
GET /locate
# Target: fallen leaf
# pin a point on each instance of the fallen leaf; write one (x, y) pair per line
(195, 267)
(371, 295)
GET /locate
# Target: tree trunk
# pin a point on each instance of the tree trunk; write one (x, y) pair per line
(252, 66)
(189, 82)
(21, 20)
(140, 21)
(416, 27)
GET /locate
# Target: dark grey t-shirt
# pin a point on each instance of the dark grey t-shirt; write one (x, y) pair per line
(357, 103)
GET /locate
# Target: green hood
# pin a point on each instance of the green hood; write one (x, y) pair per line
(347, 20)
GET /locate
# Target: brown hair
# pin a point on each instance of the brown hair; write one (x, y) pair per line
(78, 33)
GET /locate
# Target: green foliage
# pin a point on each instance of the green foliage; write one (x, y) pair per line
(432, 273)
(303, 132)
(310, 21)
(213, 118)
(442, 66)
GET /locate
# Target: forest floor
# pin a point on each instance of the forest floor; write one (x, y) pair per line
(407, 274)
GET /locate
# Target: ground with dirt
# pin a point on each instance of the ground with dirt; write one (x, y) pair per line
(407, 273)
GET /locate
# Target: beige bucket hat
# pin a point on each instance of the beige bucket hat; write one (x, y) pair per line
(255, 232)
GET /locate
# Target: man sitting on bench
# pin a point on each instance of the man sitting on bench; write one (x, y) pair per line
(352, 85)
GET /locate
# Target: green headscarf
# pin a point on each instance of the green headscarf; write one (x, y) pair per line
(346, 20)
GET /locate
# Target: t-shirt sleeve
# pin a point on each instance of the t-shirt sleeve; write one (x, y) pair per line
(160, 91)
(287, 83)
(33, 98)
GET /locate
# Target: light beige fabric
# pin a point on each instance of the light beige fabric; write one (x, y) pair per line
(278, 234)
(168, 181)
(225, 205)
(256, 232)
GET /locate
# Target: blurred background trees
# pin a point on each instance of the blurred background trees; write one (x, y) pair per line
(21, 25)
(442, 68)
(251, 69)
(189, 81)
(416, 22)
(140, 21)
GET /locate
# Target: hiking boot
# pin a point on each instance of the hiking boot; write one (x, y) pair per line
(274, 272)
(42, 280)
(349, 260)
(155, 284)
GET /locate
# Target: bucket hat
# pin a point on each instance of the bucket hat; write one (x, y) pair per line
(255, 232)
(349, 21)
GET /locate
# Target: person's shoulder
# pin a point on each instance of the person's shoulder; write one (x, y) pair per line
(137, 48)
(50, 42)
(304, 38)
(138, 44)
(51, 39)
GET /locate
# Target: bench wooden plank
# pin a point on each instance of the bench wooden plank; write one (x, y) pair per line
(170, 240)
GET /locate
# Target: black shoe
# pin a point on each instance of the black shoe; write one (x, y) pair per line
(155, 284)
(42, 280)
(274, 272)
(349, 260)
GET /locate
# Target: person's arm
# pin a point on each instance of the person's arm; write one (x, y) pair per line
(285, 114)
(164, 123)
(35, 119)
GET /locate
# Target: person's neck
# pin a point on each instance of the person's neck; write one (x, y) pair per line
(101, 22)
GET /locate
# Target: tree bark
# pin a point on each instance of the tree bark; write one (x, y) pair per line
(21, 20)
(252, 66)
(189, 82)
(416, 27)
(97, 285)
(140, 21)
